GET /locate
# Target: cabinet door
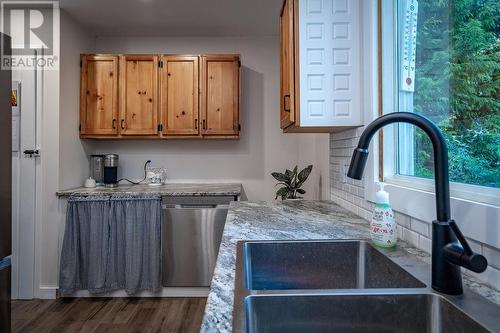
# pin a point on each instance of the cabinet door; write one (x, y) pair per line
(220, 95)
(99, 95)
(179, 95)
(287, 96)
(138, 95)
(329, 60)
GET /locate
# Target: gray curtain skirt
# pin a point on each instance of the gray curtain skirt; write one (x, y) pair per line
(111, 243)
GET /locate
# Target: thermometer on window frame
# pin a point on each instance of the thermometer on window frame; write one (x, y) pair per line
(409, 46)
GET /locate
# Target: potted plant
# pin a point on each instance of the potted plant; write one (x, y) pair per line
(291, 182)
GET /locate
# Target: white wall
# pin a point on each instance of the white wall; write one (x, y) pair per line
(313, 149)
(263, 147)
(73, 159)
(64, 161)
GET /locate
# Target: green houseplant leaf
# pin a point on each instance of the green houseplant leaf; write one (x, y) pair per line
(291, 182)
(279, 176)
(283, 191)
(305, 173)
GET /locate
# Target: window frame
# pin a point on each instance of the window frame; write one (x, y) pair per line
(477, 213)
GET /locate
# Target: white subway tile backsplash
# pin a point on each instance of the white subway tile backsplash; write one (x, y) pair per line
(349, 134)
(410, 236)
(420, 227)
(493, 256)
(491, 276)
(475, 246)
(402, 219)
(399, 230)
(425, 244)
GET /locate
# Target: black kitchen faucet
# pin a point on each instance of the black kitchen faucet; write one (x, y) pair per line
(450, 249)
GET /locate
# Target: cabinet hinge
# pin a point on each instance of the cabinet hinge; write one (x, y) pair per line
(81, 63)
(239, 63)
(80, 128)
(239, 127)
(160, 127)
(160, 63)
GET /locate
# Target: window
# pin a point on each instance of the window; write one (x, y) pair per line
(442, 87)
(449, 66)
(448, 69)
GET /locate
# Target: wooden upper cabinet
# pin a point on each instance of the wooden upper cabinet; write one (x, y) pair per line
(220, 94)
(138, 95)
(99, 95)
(160, 96)
(179, 95)
(287, 68)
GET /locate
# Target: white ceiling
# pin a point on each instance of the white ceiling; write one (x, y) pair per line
(176, 17)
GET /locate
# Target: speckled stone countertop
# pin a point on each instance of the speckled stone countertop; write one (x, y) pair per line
(289, 220)
(169, 189)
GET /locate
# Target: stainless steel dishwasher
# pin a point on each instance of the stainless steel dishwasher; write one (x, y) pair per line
(191, 234)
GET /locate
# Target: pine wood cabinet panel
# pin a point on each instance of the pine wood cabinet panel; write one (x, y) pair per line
(139, 95)
(287, 69)
(179, 95)
(99, 95)
(220, 95)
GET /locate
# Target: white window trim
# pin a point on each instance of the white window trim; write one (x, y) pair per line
(411, 195)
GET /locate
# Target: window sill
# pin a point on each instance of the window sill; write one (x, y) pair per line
(474, 193)
(415, 198)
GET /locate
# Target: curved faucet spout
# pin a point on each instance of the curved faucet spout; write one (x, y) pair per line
(360, 155)
(449, 246)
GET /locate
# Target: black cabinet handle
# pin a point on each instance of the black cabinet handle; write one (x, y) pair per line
(284, 102)
(123, 124)
(196, 124)
(204, 125)
(114, 124)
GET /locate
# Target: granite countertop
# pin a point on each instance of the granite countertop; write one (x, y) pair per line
(290, 220)
(169, 189)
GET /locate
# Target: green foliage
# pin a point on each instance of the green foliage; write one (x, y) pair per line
(457, 85)
(291, 182)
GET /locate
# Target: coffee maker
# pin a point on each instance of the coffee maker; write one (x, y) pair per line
(111, 170)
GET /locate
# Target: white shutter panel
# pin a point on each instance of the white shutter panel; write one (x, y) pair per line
(330, 63)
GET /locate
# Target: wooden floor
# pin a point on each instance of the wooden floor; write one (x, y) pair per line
(108, 315)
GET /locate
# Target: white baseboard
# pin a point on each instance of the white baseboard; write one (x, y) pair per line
(51, 293)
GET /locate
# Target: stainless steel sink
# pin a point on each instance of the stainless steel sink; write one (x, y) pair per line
(356, 313)
(346, 286)
(321, 265)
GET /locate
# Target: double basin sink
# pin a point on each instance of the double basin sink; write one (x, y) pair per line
(345, 286)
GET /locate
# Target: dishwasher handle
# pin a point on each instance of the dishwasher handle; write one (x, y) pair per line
(194, 206)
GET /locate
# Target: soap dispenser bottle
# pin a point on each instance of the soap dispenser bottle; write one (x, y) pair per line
(383, 226)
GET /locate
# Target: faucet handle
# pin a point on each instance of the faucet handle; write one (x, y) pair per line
(462, 254)
(461, 238)
(455, 254)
